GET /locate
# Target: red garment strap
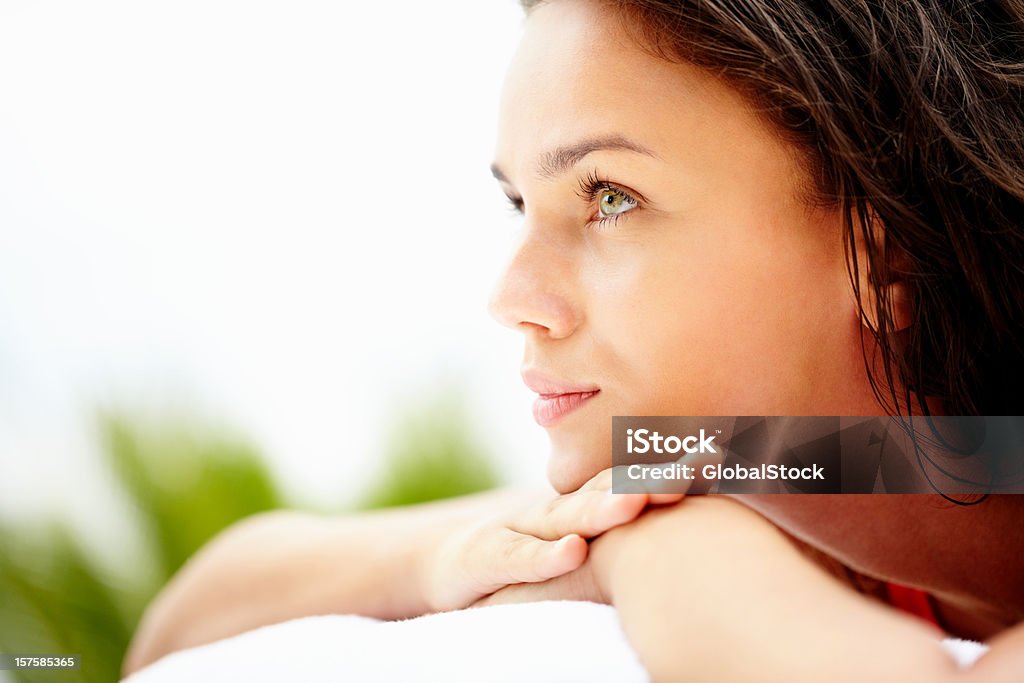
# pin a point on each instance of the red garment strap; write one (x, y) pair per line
(913, 601)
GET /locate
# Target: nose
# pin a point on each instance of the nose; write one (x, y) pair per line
(535, 291)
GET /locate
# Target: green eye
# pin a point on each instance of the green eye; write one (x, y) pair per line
(611, 202)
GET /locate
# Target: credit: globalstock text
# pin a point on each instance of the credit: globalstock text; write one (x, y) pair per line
(675, 470)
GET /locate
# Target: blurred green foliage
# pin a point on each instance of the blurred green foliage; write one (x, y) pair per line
(186, 483)
(56, 601)
(432, 454)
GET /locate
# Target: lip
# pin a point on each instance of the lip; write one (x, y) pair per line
(556, 398)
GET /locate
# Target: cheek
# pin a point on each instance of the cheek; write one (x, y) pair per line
(745, 326)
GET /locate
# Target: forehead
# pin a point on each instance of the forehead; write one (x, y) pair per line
(578, 74)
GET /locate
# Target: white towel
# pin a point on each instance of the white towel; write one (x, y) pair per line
(558, 641)
(964, 652)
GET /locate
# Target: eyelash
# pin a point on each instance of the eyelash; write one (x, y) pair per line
(589, 187)
(515, 204)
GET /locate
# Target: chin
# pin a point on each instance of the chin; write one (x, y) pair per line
(579, 450)
(560, 479)
(569, 469)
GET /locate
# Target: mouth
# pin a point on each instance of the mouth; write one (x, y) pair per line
(556, 398)
(550, 408)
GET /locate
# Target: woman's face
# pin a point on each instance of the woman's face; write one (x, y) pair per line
(665, 258)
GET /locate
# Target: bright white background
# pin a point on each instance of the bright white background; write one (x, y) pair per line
(276, 213)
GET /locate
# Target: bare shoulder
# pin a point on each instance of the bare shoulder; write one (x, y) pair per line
(708, 521)
(957, 553)
(703, 520)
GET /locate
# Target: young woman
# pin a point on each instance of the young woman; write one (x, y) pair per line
(766, 207)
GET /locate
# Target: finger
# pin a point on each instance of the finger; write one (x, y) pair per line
(600, 481)
(587, 513)
(665, 498)
(571, 586)
(617, 480)
(520, 558)
(516, 592)
(604, 479)
(580, 511)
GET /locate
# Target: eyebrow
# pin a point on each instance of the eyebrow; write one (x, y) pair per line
(561, 159)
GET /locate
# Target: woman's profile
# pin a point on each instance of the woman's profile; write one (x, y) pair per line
(766, 207)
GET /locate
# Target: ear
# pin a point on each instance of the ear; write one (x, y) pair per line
(884, 271)
(897, 297)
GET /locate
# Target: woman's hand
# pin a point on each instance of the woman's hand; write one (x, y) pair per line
(588, 582)
(579, 584)
(543, 544)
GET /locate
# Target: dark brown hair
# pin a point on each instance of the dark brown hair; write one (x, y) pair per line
(912, 115)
